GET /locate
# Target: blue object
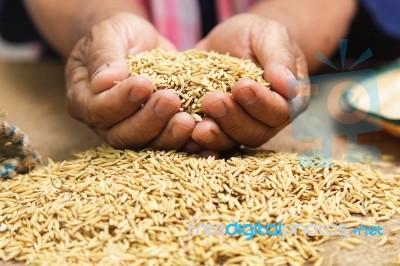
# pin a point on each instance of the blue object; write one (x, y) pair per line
(386, 14)
(6, 172)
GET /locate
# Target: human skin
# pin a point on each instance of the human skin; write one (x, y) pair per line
(280, 35)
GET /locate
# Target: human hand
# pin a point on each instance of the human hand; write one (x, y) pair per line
(113, 109)
(253, 114)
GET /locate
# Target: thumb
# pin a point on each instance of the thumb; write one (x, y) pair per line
(201, 45)
(106, 52)
(278, 56)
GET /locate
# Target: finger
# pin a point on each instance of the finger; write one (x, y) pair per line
(176, 133)
(108, 107)
(165, 44)
(267, 106)
(202, 45)
(158, 42)
(299, 103)
(139, 129)
(285, 67)
(106, 55)
(208, 134)
(119, 102)
(75, 68)
(274, 50)
(236, 123)
(191, 146)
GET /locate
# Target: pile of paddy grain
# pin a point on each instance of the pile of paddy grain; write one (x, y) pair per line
(193, 74)
(124, 207)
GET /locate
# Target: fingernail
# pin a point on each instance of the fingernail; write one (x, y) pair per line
(179, 131)
(208, 137)
(292, 84)
(163, 108)
(290, 74)
(247, 96)
(217, 109)
(101, 68)
(137, 95)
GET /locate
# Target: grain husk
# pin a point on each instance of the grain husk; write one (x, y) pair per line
(134, 207)
(193, 74)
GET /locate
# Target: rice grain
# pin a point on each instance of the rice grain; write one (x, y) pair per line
(193, 74)
(128, 206)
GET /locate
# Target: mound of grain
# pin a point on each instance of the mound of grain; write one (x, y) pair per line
(193, 74)
(124, 207)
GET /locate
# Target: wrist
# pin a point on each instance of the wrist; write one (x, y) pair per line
(91, 16)
(300, 18)
(64, 23)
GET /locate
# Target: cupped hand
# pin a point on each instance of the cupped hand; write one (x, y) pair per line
(121, 109)
(253, 114)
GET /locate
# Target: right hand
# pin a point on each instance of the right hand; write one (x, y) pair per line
(113, 109)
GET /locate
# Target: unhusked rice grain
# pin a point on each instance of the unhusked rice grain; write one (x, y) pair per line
(193, 74)
(112, 207)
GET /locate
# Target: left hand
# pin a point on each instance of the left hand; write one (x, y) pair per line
(252, 114)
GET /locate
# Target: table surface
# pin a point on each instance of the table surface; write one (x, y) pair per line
(33, 96)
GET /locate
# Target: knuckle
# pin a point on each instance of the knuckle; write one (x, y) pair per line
(84, 110)
(235, 127)
(81, 48)
(258, 139)
(275, 27)
(280, 119)
(298, 105)
(99, 61)
(304, 104)
(91, 117)
(71, 107)
(147, 128)
(95, 120)
(115, 141)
